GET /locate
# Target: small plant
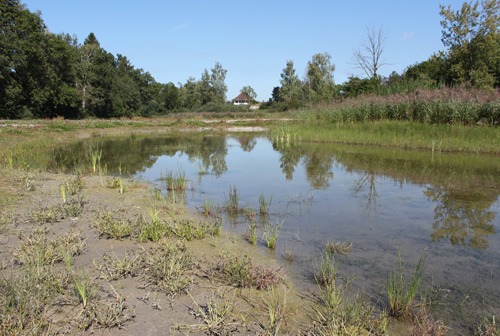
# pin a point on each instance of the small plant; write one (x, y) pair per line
(339, 247)
(122, 188)
(46, 215)
(252, 233)
(95, 154)
(167, 267)
(232, 201)
(340, 313)
(62, 187)
(74, 186)
(114, 268)
(217, 315)
(216, 224)
(175, 181)
(326, 270)
(153, 229)
(271, 233)
(422, 323)
(73, 207)
(288, 254)
(112, 225)
(277, 312)
(37, 249)
(210, 208)
(488, 327)
(264, 204)
(402, 294)
(84, 287)
(240, 272)
(114, 182)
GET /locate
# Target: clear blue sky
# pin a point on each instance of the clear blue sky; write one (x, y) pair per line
(174, 40)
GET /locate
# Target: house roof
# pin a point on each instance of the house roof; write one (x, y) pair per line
(241, 97)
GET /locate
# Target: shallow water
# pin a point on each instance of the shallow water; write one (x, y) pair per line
(443, 207)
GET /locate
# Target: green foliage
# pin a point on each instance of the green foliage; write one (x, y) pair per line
(402, 294)
(239, 271)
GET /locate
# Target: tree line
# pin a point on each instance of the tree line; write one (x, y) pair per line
(46, 75)
(470, 34)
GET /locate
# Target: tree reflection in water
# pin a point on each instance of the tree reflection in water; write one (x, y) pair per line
(365, 189)
(458, 219)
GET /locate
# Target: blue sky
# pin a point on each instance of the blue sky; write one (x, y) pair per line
(174, 40)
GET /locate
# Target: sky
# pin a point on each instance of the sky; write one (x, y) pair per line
(253, 40)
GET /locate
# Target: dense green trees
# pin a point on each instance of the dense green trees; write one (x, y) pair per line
(43, 75)
(471, 35)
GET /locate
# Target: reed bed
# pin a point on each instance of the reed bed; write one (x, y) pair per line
(455, 106)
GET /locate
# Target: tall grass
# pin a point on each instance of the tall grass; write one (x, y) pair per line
(402, 294)
(271, 232)
(457, 106)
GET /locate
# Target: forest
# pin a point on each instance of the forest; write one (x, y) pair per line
(46, 75)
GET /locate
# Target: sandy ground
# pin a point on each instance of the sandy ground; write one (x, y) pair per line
(151, 310)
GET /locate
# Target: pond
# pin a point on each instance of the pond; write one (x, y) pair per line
(440, 206)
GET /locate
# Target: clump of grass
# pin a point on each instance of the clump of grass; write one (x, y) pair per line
(46, 214)
(117, 183)
(114, 267)
(231, 203)
(73, 185)
(210, 208)
(85, 288)
(250, 212)
(264, 204)
(113, 225)
(488, 327)
(239, 271)
(325, 269)
(276, 310)
(175, 181)
(37, 249)
(153, 230)
(340, 313)
(108, 313)
(168, 267)
(95, 154)
(271, 232)
(217, 316)
(216, 225)
(402, 294)
(251, 234)
(24, 301)
(73, 207)
(339, 247)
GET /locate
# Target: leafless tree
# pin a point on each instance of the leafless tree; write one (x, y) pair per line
(368, 56)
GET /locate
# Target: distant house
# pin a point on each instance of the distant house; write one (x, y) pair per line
(241, 99)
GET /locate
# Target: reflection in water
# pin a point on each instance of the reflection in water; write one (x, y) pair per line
(366, 190)
(464, 220)
(458, 219)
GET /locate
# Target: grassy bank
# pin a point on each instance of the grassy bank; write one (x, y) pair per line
(402, 134)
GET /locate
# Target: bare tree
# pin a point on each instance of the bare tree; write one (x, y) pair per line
(368, 56)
